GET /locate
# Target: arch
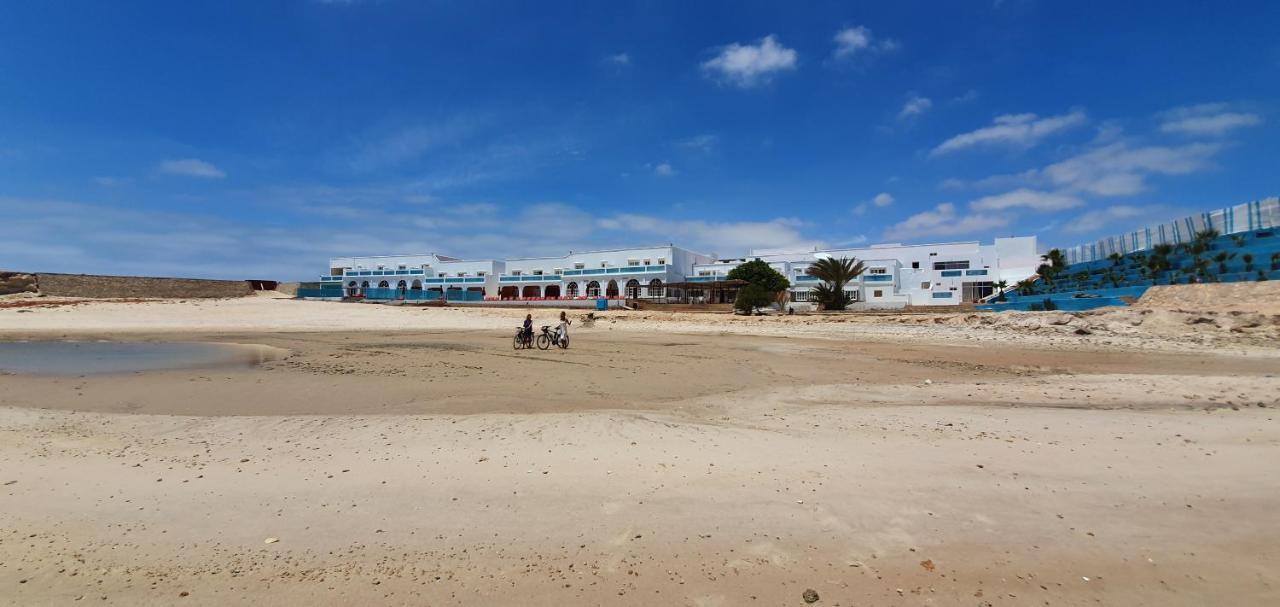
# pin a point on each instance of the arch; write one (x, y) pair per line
(551, 291)
(633, 289)
(509, 292)
(364, 285)
(384, 285)
(655, 288)
(352, 290)
(453, 294)
(593, 289)
(435, 293)
(571, 290)
(531, 291)
(612, 289)
(475, 293)
(416, 286)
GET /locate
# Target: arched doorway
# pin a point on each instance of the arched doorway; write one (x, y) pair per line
(593, 289)
(364, 285)
(352, 291)
(571, 289)
(633, 289)
(612, 289)
(416, 286)
(435, 293)
(475, 293)
(453, 294)
(509, 292)
(531, 291)
(384, 285)
(552, 291)
(655, 288)
(401, 288)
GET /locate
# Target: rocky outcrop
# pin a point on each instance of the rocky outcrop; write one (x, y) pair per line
(17, 282)
(87, 285)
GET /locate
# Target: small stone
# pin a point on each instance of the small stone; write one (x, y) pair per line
(810, 596)
(271, 540)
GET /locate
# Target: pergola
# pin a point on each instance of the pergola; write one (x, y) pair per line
(702, 292)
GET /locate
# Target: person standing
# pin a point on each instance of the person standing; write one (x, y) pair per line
(562, 332)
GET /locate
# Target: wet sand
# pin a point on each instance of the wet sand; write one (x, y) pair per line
(641, 466)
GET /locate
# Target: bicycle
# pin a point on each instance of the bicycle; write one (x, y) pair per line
(549, 337)
(522, 341)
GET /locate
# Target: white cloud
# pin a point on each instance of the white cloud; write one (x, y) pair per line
(618, 60)
(736, 236)
(192, 167)
(1118, 218)
(883, 199)
(851, 41)
(1120, 170)
(748, 65)
(944, 220)
(914, 106)
(1025, 198)
(1020, 130)
(966, 97)
(1208, 119)
(664, 169)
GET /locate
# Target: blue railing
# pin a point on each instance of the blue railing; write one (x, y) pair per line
(619, 270)
(975, 273)
(704, 278)
(806, 278)
(942, 295)
(531, 278)
(320, 293)
(417, 272)
(950, 273)
(877, 277)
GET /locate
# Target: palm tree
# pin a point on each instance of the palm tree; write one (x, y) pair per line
(1248, 262)
(1055, 263)
(1000, 288)
(835, 274)
(1115, 258)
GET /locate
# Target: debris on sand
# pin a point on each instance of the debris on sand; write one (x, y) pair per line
(810, 595)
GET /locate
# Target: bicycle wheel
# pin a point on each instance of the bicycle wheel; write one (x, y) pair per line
(544, 342)
(517, 342)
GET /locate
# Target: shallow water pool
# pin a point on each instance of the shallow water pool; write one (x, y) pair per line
(99, 357)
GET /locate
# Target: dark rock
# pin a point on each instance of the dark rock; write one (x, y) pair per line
(810, 596)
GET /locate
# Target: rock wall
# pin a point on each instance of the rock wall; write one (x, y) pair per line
(17, 282)
(87, 285)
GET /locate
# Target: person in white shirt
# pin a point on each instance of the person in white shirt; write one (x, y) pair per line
(562, 332)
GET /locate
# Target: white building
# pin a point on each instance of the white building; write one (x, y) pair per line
(896, 275)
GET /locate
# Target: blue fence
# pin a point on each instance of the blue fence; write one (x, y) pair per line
(320, 293)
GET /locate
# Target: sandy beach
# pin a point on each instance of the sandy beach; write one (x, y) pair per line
(398, 455)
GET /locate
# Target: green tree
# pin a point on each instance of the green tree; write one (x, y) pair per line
(1054, 263)
(751, 298)
(761, 274)
(834, 274)
(1001, 285)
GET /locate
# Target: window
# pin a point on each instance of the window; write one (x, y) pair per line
(924, 285)
(646, 262)
(878, 271)
(442, 274)
(558, 271)
(537, 272)
(915, 265)
(951, 265)
(662, 262)
(461, 274)
(877, 293)
(481, 274)
(579, 265)
(380, 266)
(799, 296)
(402, 267)
(633, 262)
(604, 264)
(516, 272)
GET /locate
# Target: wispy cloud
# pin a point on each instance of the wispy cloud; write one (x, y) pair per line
(618, 60)
(701, 143)
(915, 106)
(852, 41)
(1017, 130)
(1118, 218)
(1206, 120)
(664, 169)
(1029, 199)
(1118, 169)
(192, 167)
(750, 65)
(945, 220)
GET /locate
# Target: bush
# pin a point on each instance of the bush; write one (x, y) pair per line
(1048, 305)
(751, 298)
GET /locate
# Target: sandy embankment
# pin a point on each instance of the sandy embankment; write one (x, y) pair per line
(411, 457)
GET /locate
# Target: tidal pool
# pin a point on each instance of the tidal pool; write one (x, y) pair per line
(100, 357)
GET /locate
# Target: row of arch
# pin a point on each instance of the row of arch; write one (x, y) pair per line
(632, 289)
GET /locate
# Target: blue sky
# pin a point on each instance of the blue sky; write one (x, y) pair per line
(256, 139)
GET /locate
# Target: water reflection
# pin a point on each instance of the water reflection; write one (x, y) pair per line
(92, 358)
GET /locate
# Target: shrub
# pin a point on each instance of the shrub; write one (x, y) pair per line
(751, 298)
(1048, 305)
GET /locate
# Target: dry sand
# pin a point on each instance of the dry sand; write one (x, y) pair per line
(410, 456)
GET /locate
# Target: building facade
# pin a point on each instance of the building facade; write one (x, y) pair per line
(896, 275)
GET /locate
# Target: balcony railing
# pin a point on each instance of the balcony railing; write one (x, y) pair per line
(531, 278)
(617, 270)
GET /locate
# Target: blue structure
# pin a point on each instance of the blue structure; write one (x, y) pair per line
(1121, 279)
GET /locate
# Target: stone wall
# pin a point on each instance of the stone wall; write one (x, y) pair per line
(87, 285)
(17, 282)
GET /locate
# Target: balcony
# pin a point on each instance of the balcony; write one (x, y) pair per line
(617, 270)
(877, 278)
(531, 278)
